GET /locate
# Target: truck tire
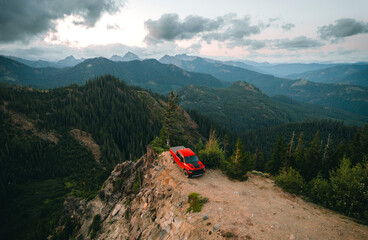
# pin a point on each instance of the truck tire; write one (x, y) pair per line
(186, 174)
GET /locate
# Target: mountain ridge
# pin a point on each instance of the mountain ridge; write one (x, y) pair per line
(148, 73)
(242, 107)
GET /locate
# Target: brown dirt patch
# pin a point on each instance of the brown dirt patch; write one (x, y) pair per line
(86, 140)
(257, 209)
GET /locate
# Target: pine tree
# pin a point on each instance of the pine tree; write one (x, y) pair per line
(259, 160)
(299, 153)
(238, 165)
(313, 157)
(289, 155)
(170, 117)
(278, 157)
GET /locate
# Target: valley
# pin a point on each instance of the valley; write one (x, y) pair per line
(74, 126)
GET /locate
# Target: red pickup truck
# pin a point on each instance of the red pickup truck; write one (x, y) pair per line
(187, 161)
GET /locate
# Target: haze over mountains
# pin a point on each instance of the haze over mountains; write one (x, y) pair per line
(66, 62)
(173, 72)
(346, 97)
(356, 74)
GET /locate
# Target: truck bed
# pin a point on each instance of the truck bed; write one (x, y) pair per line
(174, 149)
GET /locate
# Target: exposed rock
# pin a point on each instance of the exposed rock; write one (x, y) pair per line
(86, 140)
(292, 237)
(205, 217)
(150, 213)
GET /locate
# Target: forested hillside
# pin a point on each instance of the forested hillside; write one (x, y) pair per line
(347, 97)
(242, 107)
(149, 74)
(64, 142)
(355, 74)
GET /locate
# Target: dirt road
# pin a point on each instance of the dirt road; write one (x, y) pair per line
(257, 209)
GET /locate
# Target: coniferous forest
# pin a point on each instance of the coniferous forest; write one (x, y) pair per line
(41, 162)
(65, 142)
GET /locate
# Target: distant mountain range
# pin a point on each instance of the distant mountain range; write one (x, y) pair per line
(182, 70)
(149, 74)
(356, 74)
(344, 96)
(66, 62)
(278, 70)
(129, 56)
(242, 107)
(285, 69)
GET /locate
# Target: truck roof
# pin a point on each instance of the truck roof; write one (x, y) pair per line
(187, 152)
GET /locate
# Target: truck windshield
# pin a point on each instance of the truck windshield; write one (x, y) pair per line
(191, 159)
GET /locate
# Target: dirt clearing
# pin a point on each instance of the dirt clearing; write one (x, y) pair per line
(256, 209)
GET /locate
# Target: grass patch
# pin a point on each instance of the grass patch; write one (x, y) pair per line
(196, 202)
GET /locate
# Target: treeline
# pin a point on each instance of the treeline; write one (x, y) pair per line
(324, 161)
(335, 177)
(263, 139)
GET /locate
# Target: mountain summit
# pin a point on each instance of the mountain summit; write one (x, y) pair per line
(129, 56)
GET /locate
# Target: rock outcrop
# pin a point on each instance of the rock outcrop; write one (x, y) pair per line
(134, 204)
(148, 199)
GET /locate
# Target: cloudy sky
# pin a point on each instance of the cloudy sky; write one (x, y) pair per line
(263, 30)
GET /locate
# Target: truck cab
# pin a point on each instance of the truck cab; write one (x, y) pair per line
(187, 160)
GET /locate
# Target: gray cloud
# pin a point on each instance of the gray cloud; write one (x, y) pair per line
(252, 44)
(296, 43)
(169, 27)
(235, 30)
(228, 27)
(287, 26)
(23, 19)
(342, 28)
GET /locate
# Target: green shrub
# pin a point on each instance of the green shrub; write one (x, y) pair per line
(95, 226)
(290, 180)
(349, 186)
(196, 202)
(320, 191)
(213, 155)
(159, 145)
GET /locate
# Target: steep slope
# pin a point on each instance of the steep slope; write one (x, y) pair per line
(148, 74)
(45, 156)
(242, 107)
(156, 208)
(65, 141)
(356, 74)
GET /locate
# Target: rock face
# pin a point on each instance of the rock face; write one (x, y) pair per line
(134, 203)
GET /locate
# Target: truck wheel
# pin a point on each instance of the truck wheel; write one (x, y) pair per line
(186, 174)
